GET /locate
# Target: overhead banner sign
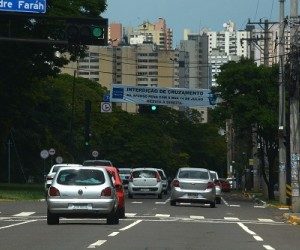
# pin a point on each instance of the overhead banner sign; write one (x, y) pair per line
(31, 6)
(162, 96)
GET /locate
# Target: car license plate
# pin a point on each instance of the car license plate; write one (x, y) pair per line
(193, 195)
(79, 206)
(145, 189)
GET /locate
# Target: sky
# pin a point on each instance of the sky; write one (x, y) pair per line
(192, 14)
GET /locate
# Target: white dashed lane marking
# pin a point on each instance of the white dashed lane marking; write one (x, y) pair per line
(197, 217)
(137, 202)
(231, 218)
(24, 214)
(131, 225)
(265, 220)
(113, 234)
(268, 247)
(162, 215)
(130, 214)
(97, 244)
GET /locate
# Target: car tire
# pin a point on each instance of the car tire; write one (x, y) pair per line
(218, 200)
(113, 218)
(121, 212)
(173, 203)
(160, 196)
(213, 204)
(130, 196)
(52, 219)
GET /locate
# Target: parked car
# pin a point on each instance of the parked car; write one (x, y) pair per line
(145, 181)
(193, 185)
(52, 172)
(214, 175)
(125, 174)
(225, 185)
(97, 163)
(82, 192)
(164, 180)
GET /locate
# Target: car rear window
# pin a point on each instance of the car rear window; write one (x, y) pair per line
(55, 169)
(193, 174)
(144, 174)
(213, 175)
(97, 163)
(86, 177)
(124, 171)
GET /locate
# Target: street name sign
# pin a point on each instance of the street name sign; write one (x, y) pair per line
(162, 96)
(30, 6)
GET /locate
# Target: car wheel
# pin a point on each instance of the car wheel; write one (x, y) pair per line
(121, 212)
(112, 218)
(218, 200)
(213, 204)
(129, 195)
(173, 203)
(160, 196)
(52, 219)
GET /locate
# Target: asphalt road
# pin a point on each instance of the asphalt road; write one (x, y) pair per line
(150, 223)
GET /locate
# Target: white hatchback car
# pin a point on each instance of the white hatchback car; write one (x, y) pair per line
(145, 181)
(53, 171)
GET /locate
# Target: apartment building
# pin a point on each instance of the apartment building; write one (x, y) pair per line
(158, 33)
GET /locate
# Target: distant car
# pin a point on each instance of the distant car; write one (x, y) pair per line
(232, 182)
(164, 180)
(53, 171)
(145, 181)
(193, 185)
(214, 175)
(82, 192)
(97, 163)
(125, 174)
(225, 185)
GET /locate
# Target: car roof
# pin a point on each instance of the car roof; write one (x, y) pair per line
(195, 169)
(137, 169)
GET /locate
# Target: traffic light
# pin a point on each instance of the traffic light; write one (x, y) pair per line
(147, 109)
(87, 31)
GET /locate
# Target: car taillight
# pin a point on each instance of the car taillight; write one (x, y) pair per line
(210, 185)
(175, 183)
(158, 177)
(53, 191)
(106, 192)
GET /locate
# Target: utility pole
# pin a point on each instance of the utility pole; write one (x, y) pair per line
(265, 25)
(294, 109)
(281, 109)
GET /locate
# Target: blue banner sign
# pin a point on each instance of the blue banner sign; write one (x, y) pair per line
(31, 6)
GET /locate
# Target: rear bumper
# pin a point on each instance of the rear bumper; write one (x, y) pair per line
(193, 196)
(144, 190)
(86, 207)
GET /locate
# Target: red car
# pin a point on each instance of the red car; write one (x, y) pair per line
(225, 185)
(119, 188)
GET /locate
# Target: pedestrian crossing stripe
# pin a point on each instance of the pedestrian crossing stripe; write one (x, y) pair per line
(24, 214)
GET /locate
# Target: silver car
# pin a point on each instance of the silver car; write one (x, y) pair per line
(164, 180)
(82, 192)
(214, 175)
(145, 181)
(193, 185)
